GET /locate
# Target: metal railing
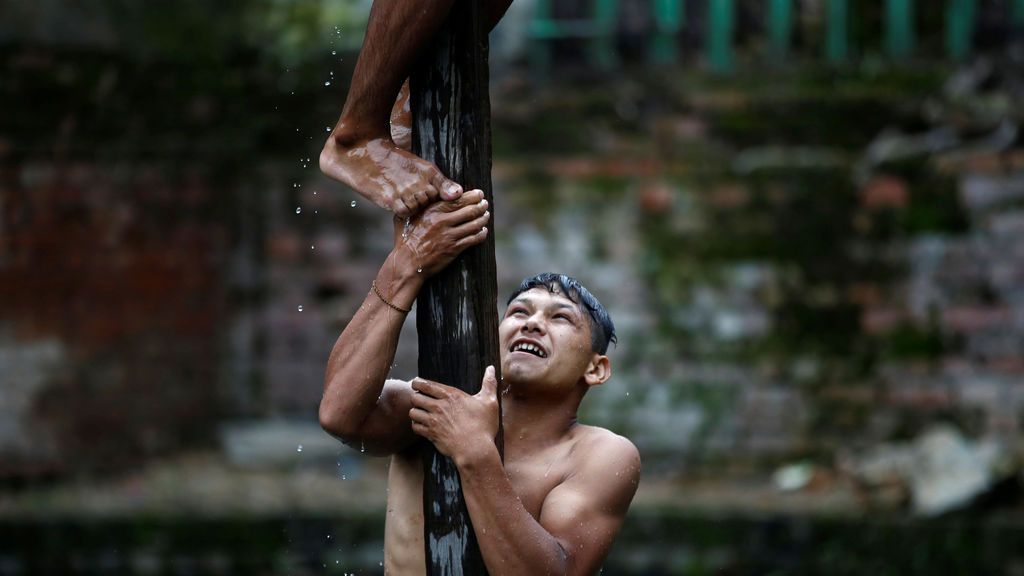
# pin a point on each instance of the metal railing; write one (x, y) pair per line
(717, 26)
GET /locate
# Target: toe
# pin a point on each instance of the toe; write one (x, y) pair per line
(449, 190)
(400, 208)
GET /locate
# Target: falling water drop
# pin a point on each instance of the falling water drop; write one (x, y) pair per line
(420, 270)
(298, 209)
(328, 83)
(312, 247)
(300, 307)
(299, 449)
(353, 204)
(327, 129)
(334, 52)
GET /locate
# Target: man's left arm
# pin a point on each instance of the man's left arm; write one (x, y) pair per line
(579, 518)
(578, 521)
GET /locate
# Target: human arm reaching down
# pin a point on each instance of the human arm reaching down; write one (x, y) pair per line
(360, 405)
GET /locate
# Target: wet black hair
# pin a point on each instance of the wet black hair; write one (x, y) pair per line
(602, 331)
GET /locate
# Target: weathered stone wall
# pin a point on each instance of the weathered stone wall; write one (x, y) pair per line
(799, 263)
(112, 295)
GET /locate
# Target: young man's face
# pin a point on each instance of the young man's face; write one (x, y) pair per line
(545, 340)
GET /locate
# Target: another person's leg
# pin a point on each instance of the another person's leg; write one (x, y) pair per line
(363, 151)
(359, 151)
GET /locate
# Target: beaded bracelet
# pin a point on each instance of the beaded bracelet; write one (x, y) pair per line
(376, 291)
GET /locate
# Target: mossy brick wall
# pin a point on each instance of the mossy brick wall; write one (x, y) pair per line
(118, 270)
(779, 292)
(808, 261)
(133, 236)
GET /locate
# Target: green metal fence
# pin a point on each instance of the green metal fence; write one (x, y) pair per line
(834, 20)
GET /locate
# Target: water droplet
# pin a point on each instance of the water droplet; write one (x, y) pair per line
(334, 52)
(299, 449)
(353, 204)
(328, 536)
(298, 209)
(328, 129)
(627, 393)
(300, 307)
(312, 247)
(328, 83)
(314, 192)
(420, 270)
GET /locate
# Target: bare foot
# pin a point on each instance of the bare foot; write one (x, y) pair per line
(383, 170)
(385, 174)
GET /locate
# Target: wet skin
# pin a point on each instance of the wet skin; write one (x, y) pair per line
(557, 502)
(362, 150)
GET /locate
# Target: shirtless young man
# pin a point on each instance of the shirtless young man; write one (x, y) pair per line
(560, 498)
(360, 150)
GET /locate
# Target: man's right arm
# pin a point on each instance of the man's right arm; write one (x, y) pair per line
(360, 406)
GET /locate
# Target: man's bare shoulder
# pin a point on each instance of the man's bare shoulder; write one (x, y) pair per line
(599, 447)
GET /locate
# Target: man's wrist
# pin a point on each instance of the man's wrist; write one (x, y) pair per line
(399, 280)
(404, 264)
(477, 455)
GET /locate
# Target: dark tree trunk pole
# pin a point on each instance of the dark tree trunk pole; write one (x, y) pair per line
(456, 315)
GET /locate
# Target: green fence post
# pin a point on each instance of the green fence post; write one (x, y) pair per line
(959, 28)
(540, 43)
(1017, 15)
(837, 45)
(603, 50)
(899, 28)
(668, 16)
(720, 23)
(780, 28)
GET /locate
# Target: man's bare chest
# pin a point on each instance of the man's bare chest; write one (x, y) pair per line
(534, 476)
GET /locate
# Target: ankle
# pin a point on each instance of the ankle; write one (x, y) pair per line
(348, 134)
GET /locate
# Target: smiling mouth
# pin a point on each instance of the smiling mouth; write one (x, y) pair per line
(529, 349)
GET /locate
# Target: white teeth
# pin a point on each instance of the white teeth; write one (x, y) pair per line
(527, 347)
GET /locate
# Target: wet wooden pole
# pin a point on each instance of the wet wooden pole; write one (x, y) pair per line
(456, 312)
